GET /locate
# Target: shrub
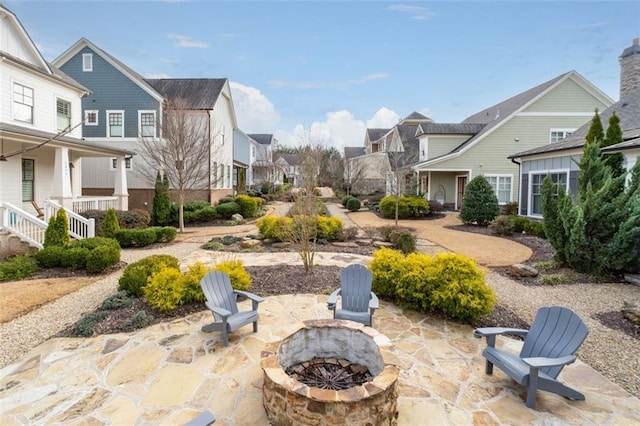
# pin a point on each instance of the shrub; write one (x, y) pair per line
(205, 214)
(192, 292)
(135, 276)
(347, 234)
(519, 223)
(140, 319)
(192, 206)
(415, 281)
(50, 257)
(102, 257)
(226, 199)
(17, 267)
(111, 227)
(164, 290)
(272, 227)
(502, 225)
(386, 232)
(161, 210)
(75, 257)
(117, 300)
(386, 268)
(136, 237)
(126, 219)
(165, 234)
(95, 242)
(353, 205)
(329, 227)
(226, 210)
(345, 200)
(546, 265)
(435, 206)
(248, 206)
(213, 244)
(510, 208)
(240, 278)
(407, 207)
(553, 279)
(480, 204)
(84, 327)
(57, 232)
(405, 242)
(534, 227)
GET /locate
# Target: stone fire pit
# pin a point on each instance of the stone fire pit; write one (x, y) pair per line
(288, 401)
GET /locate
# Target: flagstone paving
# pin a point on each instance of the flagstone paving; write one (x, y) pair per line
(170, 372)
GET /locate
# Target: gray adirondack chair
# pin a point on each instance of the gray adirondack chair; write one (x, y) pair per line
(221, 300)
(206, 418)
(549, 345)
(358, 302)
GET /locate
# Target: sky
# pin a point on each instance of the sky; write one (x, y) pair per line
(331, 69)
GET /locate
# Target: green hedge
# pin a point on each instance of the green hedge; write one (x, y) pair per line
(93, 254)
(126, 219)
(135, 276)
(408, 207)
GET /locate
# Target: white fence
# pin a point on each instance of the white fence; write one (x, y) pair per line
(23, 224)
(79, 227)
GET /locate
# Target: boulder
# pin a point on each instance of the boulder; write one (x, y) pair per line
(237, 217)
(632, 278)
(522, 270)
(363, 243)
(631, 311)
(250, 243)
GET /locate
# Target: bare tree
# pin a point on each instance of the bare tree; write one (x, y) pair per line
(183, 151)
(354, 173)
(400, 170)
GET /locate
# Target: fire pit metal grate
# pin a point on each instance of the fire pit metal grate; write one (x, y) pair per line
(330, 373)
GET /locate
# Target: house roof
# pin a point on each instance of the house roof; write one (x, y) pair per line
(623, 146)
(353, 151)
(29, 44)
(375, 134)
(55, 73)
(416, 116)
(199, 93)
(410, 145)
(124, 69)
(76, 143)
(291, 159)
(262, 138)
(627, 109)
(449, 128)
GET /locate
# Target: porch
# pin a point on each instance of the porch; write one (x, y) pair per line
(445, 186)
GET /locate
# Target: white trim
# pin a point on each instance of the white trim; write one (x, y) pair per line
(25, 36)
(499, 175)
(530, 184)
(86, 120)
(155, 124)
(127, 161)
(13, 103)
(554, 114)
(87, 62)
(106, 123)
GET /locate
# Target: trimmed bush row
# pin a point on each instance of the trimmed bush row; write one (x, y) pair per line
(93, 254)
(145, 236)
(408, 207)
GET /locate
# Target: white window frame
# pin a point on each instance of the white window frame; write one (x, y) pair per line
(140, 113)
(22, 101)
(86, 117)
(87, 62)
(113, 162)
(498, 176)
(543, 173)
(108, 126)
(70, 114)
(565, 132)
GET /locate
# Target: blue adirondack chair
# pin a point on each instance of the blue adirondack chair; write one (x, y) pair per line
(358, 302)
(221, 300)
(549, 345)
(206, 418)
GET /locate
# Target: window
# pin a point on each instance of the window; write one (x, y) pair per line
(63, 111)
(221, 183)
(22, 103)
(114, 163)
(91, 118)
(87, 62)
(147, 120)
(557, 135)
(560, 182)
(115, 125)
(501, 186)
(228, 181)
(215, 174)
(28, 174)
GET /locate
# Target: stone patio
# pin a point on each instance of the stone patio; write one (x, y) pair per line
(169, 373)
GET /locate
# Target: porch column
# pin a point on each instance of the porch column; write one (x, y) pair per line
(62, 179)
(121, 190)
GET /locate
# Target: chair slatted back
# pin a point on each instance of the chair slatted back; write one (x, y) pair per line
(217, 289)
(555, 332)
(355, 283)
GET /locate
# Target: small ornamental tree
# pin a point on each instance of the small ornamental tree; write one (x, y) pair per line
(614, 136)
(57, 233)
(111, 226)
(161, 213)
(480, 204)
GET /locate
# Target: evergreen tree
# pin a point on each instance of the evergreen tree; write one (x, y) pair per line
(553, 201)
(596, 132)
(161, 213)
(480, 204)
(111, 226)
(57, 233)
(612, 137)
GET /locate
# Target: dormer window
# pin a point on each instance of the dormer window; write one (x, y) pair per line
(87, 62)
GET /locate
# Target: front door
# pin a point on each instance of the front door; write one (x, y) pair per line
(461, 184)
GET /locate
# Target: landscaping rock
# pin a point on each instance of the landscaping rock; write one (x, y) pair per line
(246, 244)
(382, 244)
(283, 244)
(345, 244)
(363, 243)
(237, 217)
(631, 311)
(522, 270)
(632, 278)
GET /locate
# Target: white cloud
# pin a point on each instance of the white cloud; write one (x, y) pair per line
(255, 112)
(279, 84)
(585, 26)
(416, 12)
(182, 41)
(157, 75)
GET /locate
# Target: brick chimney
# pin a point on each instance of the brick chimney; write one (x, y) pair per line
(630, 68)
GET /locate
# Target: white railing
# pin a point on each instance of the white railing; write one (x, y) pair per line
(94, 203)
(22, 224)
(79, 227)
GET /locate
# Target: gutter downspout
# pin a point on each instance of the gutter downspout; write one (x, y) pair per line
(209, 160)
(519, 184)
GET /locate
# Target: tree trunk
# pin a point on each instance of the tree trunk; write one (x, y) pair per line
(181, 210)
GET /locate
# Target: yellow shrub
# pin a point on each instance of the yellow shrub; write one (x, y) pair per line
(240, 278)
(329, 227)
(165, 289)
(416, 282)
(271, 227)
(192, 290)
(386, 271)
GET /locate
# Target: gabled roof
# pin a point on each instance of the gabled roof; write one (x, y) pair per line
(55, 73)
(449, 129)
(353, 151)
(291, 159)
(262, 138)
(410, 145)
(28, 43)
(120, 66)
(416, 116)
(375, 134)
(627, 109)
(623, 146)
(199, 93)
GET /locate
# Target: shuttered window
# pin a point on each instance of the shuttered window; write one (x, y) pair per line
(63, 111)
(28, 179)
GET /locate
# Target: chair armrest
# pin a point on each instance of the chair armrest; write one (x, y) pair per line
(205, 419)
(494, 331)
(218, 311)
(373, 302)
(253, 297)
(540, 362)
(333, 299)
